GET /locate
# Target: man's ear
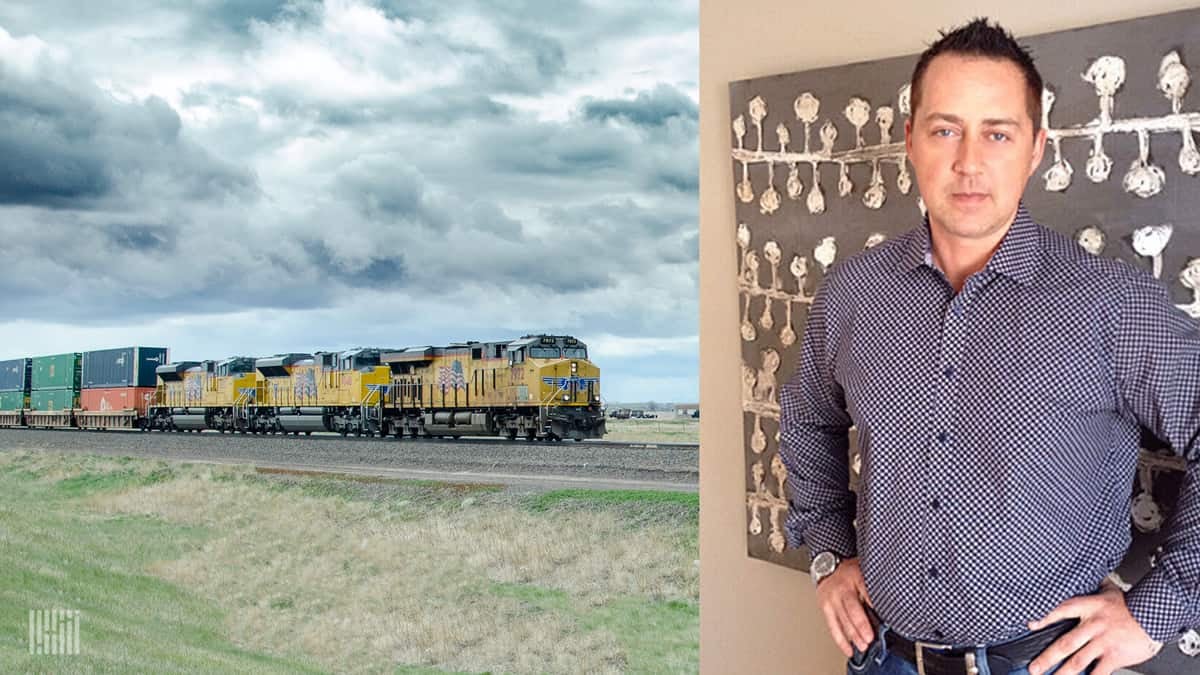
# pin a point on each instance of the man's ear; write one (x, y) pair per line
(908, 136)
(1039, 148)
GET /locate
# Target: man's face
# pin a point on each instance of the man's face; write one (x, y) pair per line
(971, 144)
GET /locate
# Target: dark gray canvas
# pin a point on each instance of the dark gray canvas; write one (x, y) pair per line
(772, 231)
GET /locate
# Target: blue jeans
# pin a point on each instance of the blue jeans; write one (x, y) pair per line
(878, 661)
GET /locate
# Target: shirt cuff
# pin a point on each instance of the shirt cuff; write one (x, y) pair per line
(834, 533)
(1157, 604)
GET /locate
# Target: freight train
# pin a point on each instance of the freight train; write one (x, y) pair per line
(538, 387)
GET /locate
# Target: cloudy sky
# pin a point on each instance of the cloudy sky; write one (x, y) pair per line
(254, 176)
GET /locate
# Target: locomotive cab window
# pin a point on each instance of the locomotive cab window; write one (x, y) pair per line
(516, 356)
(575, 352)
(539, 352)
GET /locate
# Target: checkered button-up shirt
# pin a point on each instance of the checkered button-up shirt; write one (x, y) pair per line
(999, 432)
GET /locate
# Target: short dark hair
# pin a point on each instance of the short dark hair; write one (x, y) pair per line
(979, 38)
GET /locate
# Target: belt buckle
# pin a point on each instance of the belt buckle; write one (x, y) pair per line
(969, 657)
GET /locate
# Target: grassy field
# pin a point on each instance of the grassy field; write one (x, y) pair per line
(666, 430)
(196, 568)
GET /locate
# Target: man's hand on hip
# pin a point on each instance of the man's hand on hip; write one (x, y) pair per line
(1106, 633)
(841, 596)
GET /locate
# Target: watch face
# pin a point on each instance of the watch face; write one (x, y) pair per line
(823, 564)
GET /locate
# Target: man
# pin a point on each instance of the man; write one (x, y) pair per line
(997, 375)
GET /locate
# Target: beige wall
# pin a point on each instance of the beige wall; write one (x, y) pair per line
(757, 617)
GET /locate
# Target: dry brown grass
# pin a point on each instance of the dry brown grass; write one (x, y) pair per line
(362, 585)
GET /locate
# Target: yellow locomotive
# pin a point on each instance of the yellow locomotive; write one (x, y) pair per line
(536, 387)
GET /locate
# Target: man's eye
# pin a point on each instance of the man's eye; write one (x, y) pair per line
(999, 136)
(943, 132)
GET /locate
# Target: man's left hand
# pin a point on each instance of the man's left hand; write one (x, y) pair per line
(1107, 633)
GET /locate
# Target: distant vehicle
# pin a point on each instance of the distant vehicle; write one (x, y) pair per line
(649, 415)
(696, 414)
(620, 414)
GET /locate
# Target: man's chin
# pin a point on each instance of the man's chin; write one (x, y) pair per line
(972, 226)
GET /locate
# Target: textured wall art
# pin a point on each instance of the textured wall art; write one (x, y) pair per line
(819, 173)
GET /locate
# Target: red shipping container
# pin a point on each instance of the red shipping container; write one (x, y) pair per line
(117, 398)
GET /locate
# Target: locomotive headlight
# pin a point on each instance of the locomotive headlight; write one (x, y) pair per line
(566, 397)
(574, 367)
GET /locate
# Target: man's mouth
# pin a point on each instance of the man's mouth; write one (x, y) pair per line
(969, 197)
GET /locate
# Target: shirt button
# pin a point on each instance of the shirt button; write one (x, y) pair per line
(948, 372)
(936, 503)
(933, 572)
(938, 634)
(943, 437)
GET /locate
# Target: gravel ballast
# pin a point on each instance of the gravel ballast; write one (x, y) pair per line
(662, 463)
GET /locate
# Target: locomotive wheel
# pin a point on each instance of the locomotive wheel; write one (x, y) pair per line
(308, 433)
(511, 435)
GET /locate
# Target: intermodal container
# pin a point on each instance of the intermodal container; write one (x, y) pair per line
(60, 371)
(13, 400)
(122, 367)
(14, 375)
(116, 398)
(53, 399)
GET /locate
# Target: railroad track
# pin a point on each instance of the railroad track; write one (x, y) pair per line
(590, 464)
(330, 436)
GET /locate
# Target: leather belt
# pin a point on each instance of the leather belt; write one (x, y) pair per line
(935, 659)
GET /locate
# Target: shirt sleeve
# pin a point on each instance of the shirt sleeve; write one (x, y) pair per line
(814, 439)
(1157, 353)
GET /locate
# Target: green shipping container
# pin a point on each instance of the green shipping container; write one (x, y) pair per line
(61, 371)
(53, 399)
(12, 400)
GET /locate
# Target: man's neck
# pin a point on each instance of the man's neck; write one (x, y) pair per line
(960, 257)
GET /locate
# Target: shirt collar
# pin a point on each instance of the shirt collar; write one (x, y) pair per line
(1018, 256)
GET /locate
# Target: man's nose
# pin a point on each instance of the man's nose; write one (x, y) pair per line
(968, 159)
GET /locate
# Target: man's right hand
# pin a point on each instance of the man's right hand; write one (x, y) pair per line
(841, 596)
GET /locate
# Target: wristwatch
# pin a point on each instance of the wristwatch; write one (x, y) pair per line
(823, 564)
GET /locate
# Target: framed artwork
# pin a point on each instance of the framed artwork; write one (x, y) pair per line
(820, 172)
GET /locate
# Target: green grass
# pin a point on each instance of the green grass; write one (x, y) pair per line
(56, 554)
(71, 537)
(606, 498)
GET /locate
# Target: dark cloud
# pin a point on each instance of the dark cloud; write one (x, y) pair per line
(551, 148)
(386, 271)
(154, 239)
(648, 108)
(240, 16)
(529, 63)
(67, 144)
